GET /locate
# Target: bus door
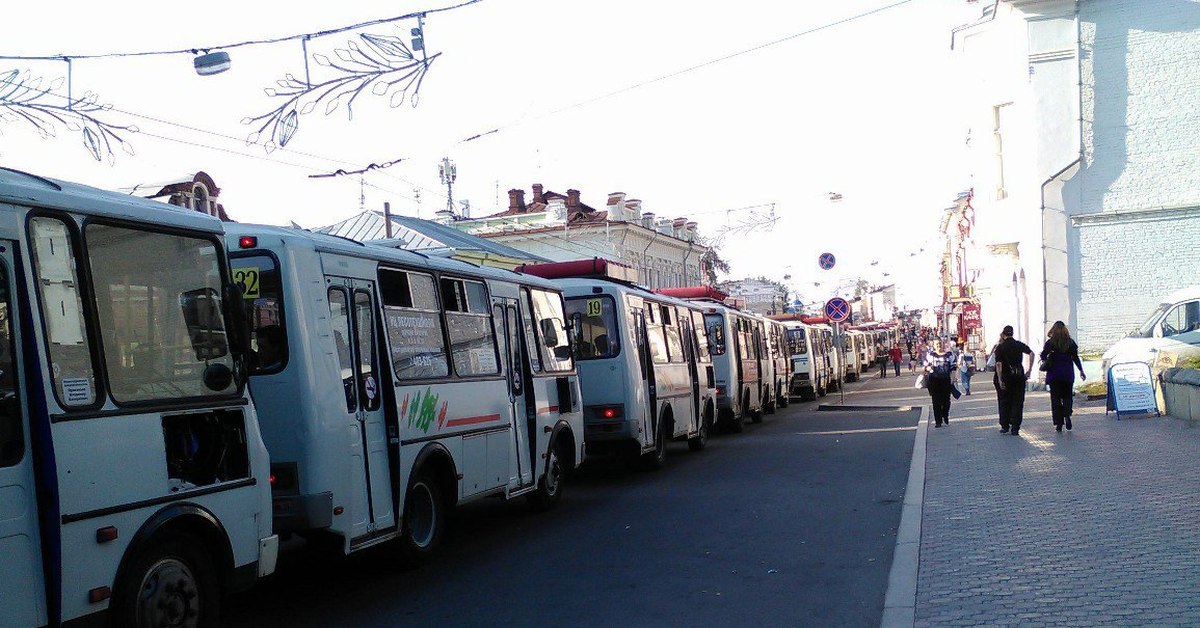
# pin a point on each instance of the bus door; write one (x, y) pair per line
(22, 593)
(739, 349)
(689, 355)
(515, 357)
(352, 311)
(649, 435)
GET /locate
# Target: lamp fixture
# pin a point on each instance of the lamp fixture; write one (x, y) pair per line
(211, 63)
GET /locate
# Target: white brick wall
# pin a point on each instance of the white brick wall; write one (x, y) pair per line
(1141, 111)
(1127, 267)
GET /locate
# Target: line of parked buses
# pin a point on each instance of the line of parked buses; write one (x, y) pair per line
(176, 393)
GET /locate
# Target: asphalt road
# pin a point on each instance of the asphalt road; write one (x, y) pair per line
(791, 523)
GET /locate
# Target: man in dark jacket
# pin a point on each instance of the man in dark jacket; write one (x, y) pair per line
(1012, 374)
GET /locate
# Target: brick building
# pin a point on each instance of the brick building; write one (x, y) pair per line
(1082, 151)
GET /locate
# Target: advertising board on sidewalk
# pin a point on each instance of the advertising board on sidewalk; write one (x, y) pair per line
(1131, 389)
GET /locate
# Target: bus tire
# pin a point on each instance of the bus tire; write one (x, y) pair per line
(170, 582)
(821, 391)
(784, 400)
(700, 440)
(657, 459)
(424, 520)
(550, 485)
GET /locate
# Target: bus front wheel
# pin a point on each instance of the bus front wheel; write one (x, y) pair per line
(550, 486)
(171, 582)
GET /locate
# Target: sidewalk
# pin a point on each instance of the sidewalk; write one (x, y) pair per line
(1096, 526)
(1093, 526)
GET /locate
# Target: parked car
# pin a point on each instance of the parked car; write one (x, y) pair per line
(1174, 326)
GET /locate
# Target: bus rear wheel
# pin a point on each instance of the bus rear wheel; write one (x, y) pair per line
(423, 522)
(169, 583)
(657, 459)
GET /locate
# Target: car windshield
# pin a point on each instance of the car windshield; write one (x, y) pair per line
(1147, 328)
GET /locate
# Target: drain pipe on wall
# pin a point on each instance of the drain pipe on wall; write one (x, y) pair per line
(1079, 161)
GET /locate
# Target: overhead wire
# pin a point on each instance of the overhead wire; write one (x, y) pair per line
(692, 68)
(253, 42)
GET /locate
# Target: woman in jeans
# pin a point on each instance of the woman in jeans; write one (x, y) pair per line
(1060, 354)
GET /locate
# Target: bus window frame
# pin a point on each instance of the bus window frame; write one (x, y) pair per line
(223, 270)
(87, 303)
(452, 373)
(441, 312)
(282, 306)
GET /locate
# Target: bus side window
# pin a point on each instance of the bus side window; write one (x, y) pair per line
(70, 345)
(414, 324)
(339, 317)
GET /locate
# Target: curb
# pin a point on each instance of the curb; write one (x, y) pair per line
(900, 603)
(838, 408)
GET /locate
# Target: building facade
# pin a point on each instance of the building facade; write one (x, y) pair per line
(664, 251)
(1082, 134)
(760, 296)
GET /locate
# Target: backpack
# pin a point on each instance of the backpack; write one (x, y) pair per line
(941, 368)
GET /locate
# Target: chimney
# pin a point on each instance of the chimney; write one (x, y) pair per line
(690, 231)
(634, 207)
(648, 220)
(537, 194)
(616, 206)
(664, 226)
(573, 200)
(516, 200)
(678, 227)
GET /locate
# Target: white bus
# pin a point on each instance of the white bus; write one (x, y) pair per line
(133, 480)
(851, 355)
(392, 386)
(823, 334)
(810, 365)
(737, 348)
(779, 366)
(647, 377)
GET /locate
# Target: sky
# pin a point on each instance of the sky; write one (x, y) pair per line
(590, 96)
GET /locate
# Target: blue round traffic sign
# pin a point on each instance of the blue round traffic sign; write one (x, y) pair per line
(826, 261)
(837, 309)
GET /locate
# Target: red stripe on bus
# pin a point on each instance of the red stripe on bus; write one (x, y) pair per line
(548, 410)
(471, 420)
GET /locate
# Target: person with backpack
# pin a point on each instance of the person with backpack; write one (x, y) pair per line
(938, 365)
(1011, 376)
(1059, 355)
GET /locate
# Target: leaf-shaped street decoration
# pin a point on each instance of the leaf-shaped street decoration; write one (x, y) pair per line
(287, 128)
(38, 102)
(389, 45)
(91, 143)
(383, 64)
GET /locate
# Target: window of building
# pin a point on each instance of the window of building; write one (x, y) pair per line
(1000, 114)
(200, 199)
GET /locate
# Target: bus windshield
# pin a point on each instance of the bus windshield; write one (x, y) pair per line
(796, 342)
(715, 325)
(596, 320)
(262, 296)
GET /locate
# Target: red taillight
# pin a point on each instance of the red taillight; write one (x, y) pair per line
(612, 412)
(271, 479)
(247, 242)
(720, 391)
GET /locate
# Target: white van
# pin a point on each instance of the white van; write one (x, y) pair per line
(1174, 326)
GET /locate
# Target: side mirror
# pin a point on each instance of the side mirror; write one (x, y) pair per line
(549, 333)
(206, 329)
(239, 332)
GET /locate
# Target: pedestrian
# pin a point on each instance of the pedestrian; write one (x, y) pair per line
(908, 342)
(896, 354)
(882, 357)
(966, 368)
(1059, 355)
(1011, 376)
(938, 365)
